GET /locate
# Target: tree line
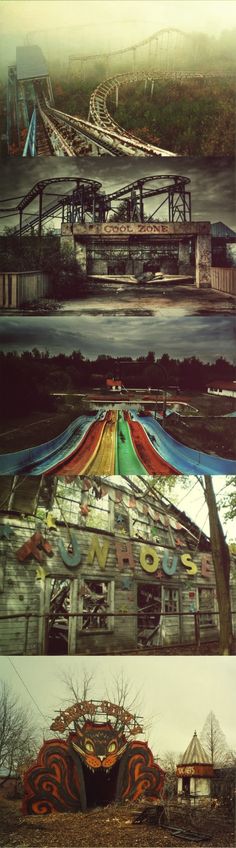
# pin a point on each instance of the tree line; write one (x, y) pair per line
(28, 379)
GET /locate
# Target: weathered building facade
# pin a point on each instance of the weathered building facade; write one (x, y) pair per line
(100, 567)
(100, 248)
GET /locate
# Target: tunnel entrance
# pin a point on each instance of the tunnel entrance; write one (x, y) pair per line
(100, 785)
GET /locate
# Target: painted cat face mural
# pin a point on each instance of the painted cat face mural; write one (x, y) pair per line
(96, 764)
(99, 746)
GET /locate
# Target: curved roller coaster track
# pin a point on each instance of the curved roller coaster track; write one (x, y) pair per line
(102, 131)
(86, 202)
(154, 38)
(73, 135)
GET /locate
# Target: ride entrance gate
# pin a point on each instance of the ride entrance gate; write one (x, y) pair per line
(124, 238)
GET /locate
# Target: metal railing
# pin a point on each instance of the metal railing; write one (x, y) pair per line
(196, 640)
(30, 142)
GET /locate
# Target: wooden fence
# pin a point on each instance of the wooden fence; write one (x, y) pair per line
(224, 280)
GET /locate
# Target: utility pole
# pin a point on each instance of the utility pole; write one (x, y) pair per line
(221, 562)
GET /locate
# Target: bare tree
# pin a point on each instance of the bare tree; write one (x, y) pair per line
(168, 764)
(78, 686)
(120, 692)
(18, 735)
(214, 742)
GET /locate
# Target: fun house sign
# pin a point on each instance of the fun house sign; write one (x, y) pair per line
(126, 555)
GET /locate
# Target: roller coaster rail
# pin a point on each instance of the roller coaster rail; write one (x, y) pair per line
(148, 40)
(100, 128)
(30, 143)
(98, 110)
(110, 138)
(167, 53)
(88, 203)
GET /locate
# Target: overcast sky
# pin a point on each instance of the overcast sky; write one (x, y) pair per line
(177, 692)
(205, 337)
(212, 180)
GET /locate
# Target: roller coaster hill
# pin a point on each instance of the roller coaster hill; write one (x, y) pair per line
(35, 127)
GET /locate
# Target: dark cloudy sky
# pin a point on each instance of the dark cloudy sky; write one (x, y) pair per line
(212, 180)
(205, 337)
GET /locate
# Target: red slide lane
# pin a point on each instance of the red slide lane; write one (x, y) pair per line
(81, 455)
(146, 453)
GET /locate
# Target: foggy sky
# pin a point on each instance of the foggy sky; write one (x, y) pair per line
(212, 180)
(176, 692)
(205, 337)
(142, 17)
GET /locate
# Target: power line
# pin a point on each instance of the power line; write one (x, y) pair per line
(188, 492)
(26, 688)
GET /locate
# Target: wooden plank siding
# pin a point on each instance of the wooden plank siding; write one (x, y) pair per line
(224, 280)
(25, 589)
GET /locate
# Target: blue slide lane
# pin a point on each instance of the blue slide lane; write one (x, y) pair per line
(184, 459)
(39, 459)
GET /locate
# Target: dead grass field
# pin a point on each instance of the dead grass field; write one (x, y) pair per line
(108, 827)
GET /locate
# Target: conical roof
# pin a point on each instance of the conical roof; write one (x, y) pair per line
(195, 753)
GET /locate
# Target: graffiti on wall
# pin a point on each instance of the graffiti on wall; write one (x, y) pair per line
(97, 763)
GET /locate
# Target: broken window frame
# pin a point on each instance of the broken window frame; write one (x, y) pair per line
(207, 619)
(83, 612)
(45, 609)
(170, 598)
(71, 509)
(141, 611)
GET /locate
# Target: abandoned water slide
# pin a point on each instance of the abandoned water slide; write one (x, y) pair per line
(108, 445)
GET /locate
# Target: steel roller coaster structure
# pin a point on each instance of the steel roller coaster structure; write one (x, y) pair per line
(88, 203)
(54, 132)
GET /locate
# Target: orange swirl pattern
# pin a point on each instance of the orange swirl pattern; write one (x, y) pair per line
(55, 782)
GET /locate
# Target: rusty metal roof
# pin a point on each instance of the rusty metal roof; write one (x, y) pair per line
(220, 230)
(195, 753)
(30, 63)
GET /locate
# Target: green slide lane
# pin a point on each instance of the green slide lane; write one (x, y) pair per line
(127, 461)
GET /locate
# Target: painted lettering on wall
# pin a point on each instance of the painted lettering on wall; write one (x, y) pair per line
(152, 559)
(112, 229)
(185, 770)
(34, 547)
(206, 565)
(124, 555)
(72, 555)
(188, 563)
(96, 551)
(169, 567)
(149, 559)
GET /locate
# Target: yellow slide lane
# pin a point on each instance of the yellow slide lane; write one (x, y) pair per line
(104, 461)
